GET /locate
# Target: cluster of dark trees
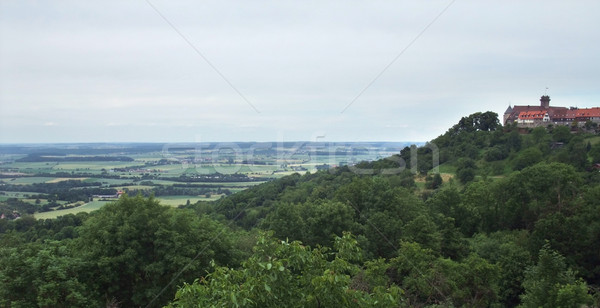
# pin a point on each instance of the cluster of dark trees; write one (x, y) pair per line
(502, 150)
(131, 253)
(11, 205)
(486, 237)
(69, 190)
(345, 237)
(186, 190)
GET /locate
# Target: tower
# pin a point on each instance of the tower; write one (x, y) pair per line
(507, 114)
(545, 101)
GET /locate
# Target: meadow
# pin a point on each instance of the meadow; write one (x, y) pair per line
(88, 207)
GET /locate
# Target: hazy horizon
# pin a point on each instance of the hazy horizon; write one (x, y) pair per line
(213, 142)
(159, 71)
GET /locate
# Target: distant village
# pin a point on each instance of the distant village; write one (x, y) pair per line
(544, 115)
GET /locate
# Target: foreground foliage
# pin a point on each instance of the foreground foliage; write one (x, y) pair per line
(288, 274)
(132, 252)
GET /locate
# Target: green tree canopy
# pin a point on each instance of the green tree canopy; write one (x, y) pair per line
(551, 284)
(135, 247)
(288, 274)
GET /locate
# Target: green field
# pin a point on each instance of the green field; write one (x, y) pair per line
(16, 194)
(27, 180)
(135, 187)
(594, 140)
(94, 205)
(88, 207)
(182, 200)
(109, 181)
(447, 168)
(31, 167)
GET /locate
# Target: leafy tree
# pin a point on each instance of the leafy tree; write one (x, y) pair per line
(551, 185)
(480, 209)
(528, 157)
(312, 223)
(427, 279)
(286, 221)
(465, 171)
(561, 133)
(551, 284)
(453, 244)
(446, 201)
(43, 275)
(382, 230)
(577, 153)
(495, 153)
(381, 211)
(467, 150)
(588, 217)
(574, 233)
(135, 247)
(595, 153)
(504, 250)
(423, 230)
(589, 125)
(487, 121)
(385, 214)
(434, 182)
(539, 134)
(516, 202)
(288, 274)
(514, 140)
(404, 179)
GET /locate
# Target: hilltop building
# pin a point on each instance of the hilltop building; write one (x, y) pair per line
(544, 114)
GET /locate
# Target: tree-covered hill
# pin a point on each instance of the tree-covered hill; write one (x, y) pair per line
(527, 190)
(515, 222)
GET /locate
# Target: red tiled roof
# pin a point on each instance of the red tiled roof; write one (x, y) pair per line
(532, 115)
(579, 114)
(587, 112)
(552, 111)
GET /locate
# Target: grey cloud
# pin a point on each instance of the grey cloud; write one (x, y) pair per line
(82, 65)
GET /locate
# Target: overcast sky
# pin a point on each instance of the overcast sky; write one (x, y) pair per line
(116, 71)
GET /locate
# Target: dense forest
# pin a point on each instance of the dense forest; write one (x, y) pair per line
(509, 217)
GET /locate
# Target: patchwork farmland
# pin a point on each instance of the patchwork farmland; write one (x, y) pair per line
(48, 181)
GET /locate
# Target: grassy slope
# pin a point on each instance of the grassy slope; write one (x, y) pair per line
(88, 207)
